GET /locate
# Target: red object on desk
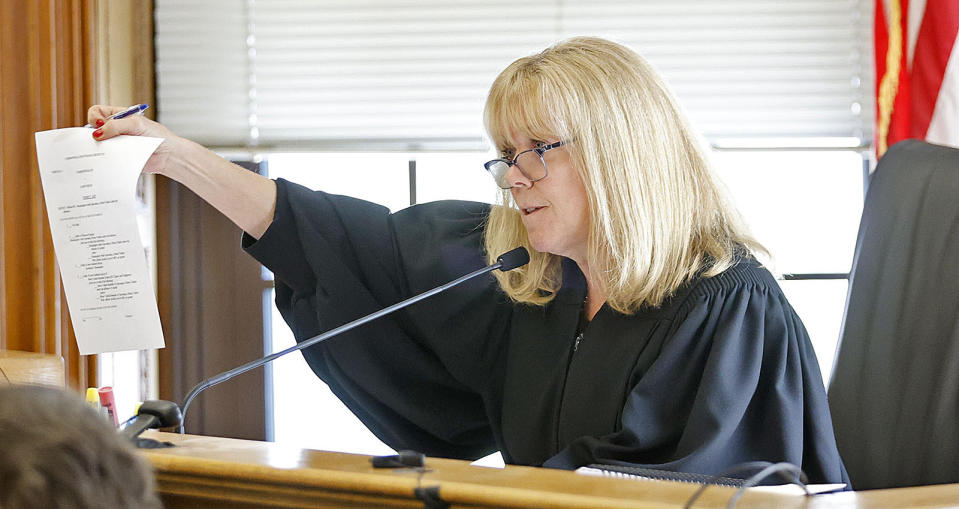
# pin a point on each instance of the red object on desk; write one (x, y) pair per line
(106, 401)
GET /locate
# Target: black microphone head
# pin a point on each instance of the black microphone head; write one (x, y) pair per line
(513, 258)
(166, 412)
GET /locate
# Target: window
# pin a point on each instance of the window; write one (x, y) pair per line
(327, 91)
(300, 399)
(413, 74)
(804, 206)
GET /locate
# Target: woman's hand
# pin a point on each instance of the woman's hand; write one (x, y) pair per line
(245, 197)
(167, 156)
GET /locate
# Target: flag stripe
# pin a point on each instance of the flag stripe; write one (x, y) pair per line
(914, 18)
(944, 126)
(937, 35)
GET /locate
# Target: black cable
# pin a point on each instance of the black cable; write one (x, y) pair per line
(430, 496)
(4, 373)
(778, 468)
(766, 467)
(735, 469)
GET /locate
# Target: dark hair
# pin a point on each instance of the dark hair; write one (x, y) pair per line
(57, 452)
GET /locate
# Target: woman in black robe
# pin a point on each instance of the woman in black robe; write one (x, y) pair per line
(642, 332)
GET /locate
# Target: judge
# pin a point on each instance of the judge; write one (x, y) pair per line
(643, 331)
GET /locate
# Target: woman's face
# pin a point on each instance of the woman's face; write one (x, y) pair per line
(554, 209)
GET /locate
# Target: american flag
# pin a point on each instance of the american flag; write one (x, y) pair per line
(917, 72)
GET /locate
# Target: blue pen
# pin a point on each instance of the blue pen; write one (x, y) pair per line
(136, 109)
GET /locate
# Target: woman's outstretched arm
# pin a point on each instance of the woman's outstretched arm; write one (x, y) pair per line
(244, 197)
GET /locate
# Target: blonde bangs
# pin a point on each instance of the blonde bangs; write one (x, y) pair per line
(517, 103)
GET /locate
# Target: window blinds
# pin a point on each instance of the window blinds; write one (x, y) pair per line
(414, 74)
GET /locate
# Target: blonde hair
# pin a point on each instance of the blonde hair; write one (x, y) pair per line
(657, 214)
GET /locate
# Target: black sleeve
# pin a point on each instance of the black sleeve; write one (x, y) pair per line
(736, 380)
(418, 378)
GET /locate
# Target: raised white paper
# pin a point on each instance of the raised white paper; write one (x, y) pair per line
(89, 187)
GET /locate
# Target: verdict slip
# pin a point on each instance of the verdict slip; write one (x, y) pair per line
(90, 191)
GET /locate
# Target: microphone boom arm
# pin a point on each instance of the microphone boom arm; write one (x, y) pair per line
(226, 375)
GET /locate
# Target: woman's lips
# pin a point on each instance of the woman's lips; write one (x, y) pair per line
(529, 210)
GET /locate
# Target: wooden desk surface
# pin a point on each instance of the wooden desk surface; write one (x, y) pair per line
(31, 368)
(220, 472)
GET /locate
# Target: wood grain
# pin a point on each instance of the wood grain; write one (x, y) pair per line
(47, 59)
(31, 368)
(218, 472)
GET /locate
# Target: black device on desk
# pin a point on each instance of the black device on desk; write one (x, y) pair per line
(152, 414)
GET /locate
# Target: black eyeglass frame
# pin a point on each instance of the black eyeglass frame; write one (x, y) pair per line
(539, 152)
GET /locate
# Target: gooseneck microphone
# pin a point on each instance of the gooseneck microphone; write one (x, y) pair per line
(153, 414)
(507, 261)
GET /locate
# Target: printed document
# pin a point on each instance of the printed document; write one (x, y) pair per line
(89, 187)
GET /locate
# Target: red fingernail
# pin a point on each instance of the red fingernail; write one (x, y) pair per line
(98, 133)
(100, 123)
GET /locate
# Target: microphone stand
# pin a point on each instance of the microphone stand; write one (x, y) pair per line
(507, 261)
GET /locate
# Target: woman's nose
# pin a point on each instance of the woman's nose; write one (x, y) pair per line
(516, 178)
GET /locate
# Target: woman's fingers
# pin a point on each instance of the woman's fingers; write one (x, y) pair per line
(112, 128)
(101, 112)
(133, 125)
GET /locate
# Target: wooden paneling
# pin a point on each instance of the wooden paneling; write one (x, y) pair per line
(210, 295)
(47, 63)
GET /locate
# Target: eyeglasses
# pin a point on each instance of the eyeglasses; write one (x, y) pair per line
(530, 163)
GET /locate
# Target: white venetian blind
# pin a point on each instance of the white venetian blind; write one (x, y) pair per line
(414, 74)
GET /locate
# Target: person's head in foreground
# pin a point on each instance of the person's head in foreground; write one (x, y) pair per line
(609, 174)
(57, 452)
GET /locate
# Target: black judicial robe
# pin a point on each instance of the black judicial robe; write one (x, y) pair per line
(720, 374)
